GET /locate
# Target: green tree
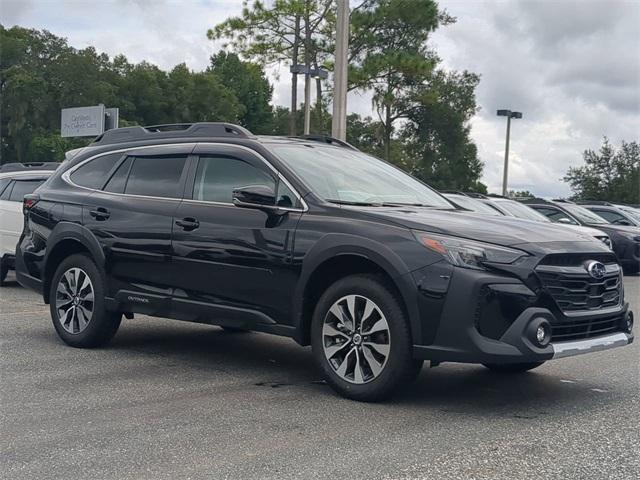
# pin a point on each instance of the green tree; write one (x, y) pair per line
(286, 32)
(609, 174)
(251, 88)
(437, 133)
(390, 56)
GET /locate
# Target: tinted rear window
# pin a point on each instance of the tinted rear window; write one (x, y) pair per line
(93, 174)
(22, 188)
(156, 176)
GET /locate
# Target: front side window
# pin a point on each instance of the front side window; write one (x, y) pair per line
(612, 217)
(155, 176)
(522, 211)
(22, 188)
(217, 176)
(94, 173)
(343, 175)
(583, 214)
(556, 215)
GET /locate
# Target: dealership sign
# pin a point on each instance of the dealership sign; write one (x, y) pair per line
(87, 121)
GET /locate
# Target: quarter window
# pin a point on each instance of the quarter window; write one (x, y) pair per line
(3, 183)
(218, 176)
(93, 174)
(155, 176)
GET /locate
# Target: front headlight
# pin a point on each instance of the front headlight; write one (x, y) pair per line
(468, 253)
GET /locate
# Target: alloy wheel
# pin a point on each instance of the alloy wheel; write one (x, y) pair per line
(356, 339)
(74, 300)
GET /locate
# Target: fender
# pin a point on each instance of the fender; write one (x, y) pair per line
(72, 231)
(337, 244)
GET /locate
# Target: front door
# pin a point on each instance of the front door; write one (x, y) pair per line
(236, 261)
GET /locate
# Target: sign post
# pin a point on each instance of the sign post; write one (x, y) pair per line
(88, 121)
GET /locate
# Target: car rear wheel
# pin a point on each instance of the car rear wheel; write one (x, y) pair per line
(77, 305)
(512, 367)
(360, 339)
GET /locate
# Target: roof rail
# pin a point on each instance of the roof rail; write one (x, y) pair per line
(595, 202)
(326, 139)
(18, 167)
(563, 200)
(175, 130)
(475, 195)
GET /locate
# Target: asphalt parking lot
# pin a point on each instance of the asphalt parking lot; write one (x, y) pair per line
(176, 400)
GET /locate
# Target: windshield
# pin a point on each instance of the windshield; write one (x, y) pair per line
(632, 212)
(522, 211)
(582, 214)
(472, 204)
(348, 176)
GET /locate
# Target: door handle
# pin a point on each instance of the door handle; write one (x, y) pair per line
(100, 213)
(188, 223)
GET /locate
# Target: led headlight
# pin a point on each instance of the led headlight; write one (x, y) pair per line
(468, 253)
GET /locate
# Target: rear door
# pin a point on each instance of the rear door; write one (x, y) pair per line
(235, 261)
(131, 216)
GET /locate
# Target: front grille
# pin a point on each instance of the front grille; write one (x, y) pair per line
(573, 289)
(581, 329)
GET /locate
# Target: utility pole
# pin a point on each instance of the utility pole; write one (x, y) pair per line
(307, 67)
(505, 175)
(339, 122)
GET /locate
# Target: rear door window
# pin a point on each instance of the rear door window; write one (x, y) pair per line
(156, 176)
(118, 180)
(7, 191)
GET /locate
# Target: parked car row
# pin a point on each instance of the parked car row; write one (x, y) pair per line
(309, 238)
(616, 227)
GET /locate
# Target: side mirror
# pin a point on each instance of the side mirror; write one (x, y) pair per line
(261, 197)
(565, 221)
(621, 221)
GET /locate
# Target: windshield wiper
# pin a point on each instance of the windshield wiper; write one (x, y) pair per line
(357, 204)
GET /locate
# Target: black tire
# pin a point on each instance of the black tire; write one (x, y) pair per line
(400, 368)
(102, 324)
(512, 367)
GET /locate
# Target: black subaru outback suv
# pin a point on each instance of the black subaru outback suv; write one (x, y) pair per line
(311, 239)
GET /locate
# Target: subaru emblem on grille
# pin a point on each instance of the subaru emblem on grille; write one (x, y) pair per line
(596, 269)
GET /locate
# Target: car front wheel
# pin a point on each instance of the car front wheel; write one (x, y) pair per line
(361, 339)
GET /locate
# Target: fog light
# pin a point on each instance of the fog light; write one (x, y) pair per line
(539, 332)
(629, 322)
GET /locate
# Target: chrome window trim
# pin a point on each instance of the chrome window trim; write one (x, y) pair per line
(66, 176)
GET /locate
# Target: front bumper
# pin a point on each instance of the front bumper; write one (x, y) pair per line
(503, 332)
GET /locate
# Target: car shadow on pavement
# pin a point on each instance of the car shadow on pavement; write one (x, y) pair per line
(264, 361)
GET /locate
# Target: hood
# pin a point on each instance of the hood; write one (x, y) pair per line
(609, 227)
(506, 231)
(594, 232)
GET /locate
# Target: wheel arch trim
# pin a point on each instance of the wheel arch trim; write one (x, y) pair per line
(333, 246)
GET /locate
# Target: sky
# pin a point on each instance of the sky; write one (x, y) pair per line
(571, 66)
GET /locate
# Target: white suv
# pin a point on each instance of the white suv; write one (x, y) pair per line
(16, 180)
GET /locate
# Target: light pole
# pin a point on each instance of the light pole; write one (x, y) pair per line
(339, 121)
(509, 114)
